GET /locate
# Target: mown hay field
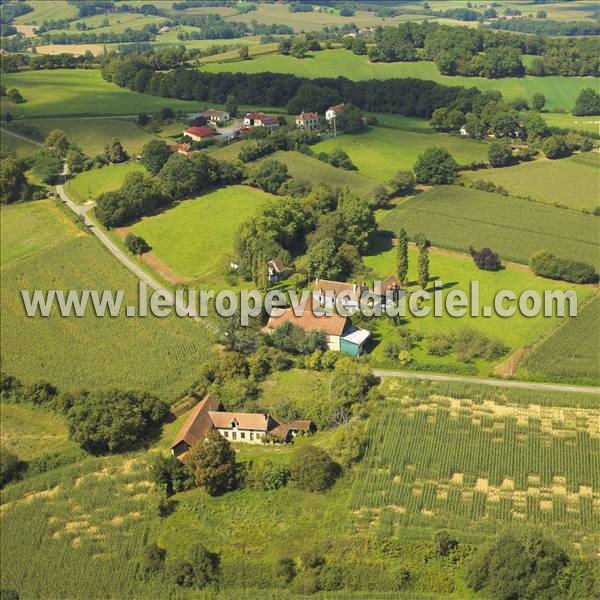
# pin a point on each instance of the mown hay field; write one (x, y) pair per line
(475, 460)
(571, 353)
(573, 182)
(455, 217)
(380, 152)
(154, 354)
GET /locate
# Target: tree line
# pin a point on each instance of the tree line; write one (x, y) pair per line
(411, 97)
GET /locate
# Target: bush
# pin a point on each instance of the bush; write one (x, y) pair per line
(269, 476)
(172, 474)
(10, 467)
(153, 561)
(40, 393)
(440, 345)
(500, 153)
(285, 569)
(403, 183)
(546, 264)
(556, 147)
(486, 259)
(136, 244)
(312, 469)
(435, 166)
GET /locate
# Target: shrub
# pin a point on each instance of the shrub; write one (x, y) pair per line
(500, 153)
(270, 476)
(435, 166)
(39, 393)
(10, 467)
(556, 147)
(486, 259)
(171, 474)
(153, 561)
(312, 469)
(286, 569)
(440, 345)
(402, 184)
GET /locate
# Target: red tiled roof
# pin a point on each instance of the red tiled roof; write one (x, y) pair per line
(308, 115)
(198, 424)
(200, 131)
(331, 324)
(254, 421)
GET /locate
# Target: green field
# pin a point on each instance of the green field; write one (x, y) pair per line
(159, 355)
(21, 148)
(477, 462)
(306, 169)
(90, 184)
(566, 121)
(196, 237)
(456, 218)
(91, 135)
(46, 10)
(381, 152)
(559, 91)
(456, 273)
(571, 353)
(73, 92)
(29, 432)
(573, 182)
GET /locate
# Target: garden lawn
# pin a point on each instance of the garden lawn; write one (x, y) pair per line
(559, 91)
(91, 135)
(196, 237)
(380, 152)
(90, 184)
(45, 250)
(455, 217)
(456, 273)
(79, 92)
(573, 182)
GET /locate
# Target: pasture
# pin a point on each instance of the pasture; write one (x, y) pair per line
(571, 353)
(91, 135)
(559, 91)
(573, 182)
(307, 169)
(47, 10)
(456, 218)
(567, 121)
(79, 92)
(473, 460)
(456, 272)
(381, 152)
(90, 184)
(19, 147)
(195, 238)
(159, 355)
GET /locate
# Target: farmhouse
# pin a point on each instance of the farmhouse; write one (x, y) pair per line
(251, 428)
(215, 116)
(254, 119)
(326, 293)
(185, 149)
(341, 335)
(332, 111)
(200, 133)
(307, 120)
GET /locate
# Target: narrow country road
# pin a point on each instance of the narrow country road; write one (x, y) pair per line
(493, 382)
(21, 137)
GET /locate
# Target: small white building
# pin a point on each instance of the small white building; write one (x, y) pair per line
(332, 111)
(254, 119)
(307, 120)
(463, 131)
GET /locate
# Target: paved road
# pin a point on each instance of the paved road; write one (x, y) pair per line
(493, 382)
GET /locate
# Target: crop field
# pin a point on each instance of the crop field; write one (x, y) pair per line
(571, 353)
(307, 169)
(154, 354)
(196, 237)
(456, 218)
(475, 463)
(559, 91)
(79, 92)
(573, 182)
(29, 432)
(456, 272)
(90, 184)
(380, 152)
(47, 10)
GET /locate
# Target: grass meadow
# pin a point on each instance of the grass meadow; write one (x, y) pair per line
(159, 355)
(567, 121)
(457, 272)
(573, 182)
(455, 217)
(381, 152)
(47, 10)
(90, 184)
(196, 237)
(571, 353)
(498, 462)
(19, 147)
(79, 92)
(559, 91)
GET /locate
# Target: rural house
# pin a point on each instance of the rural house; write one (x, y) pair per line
(185, 149)
(332, 111)
(276, 271)
(254, 119)
(307, 120)
(215, 116)
(341, 335)
(251, 428)
(326, 292)
(200, 133)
